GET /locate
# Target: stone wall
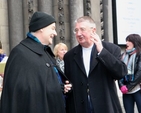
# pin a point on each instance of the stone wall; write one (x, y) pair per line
(4, 32)
(16, 15)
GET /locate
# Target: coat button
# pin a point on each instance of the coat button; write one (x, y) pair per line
(88, 90)
(81, 83)
(47, 64)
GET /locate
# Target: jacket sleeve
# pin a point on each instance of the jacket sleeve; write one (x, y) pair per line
(137, 78)
(110, 56)
(121, 82)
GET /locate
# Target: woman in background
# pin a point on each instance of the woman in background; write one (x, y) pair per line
(60, 50)
(130, 84)
(3, 59)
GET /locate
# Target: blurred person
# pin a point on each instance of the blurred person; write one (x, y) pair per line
(3, 56)
(60, 50)
(130, 84)
(3, 59)
(92, 67)
(32, 81)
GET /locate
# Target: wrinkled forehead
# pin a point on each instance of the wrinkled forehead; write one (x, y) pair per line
(83, 24)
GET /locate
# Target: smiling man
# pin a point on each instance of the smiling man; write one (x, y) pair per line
(92, 66)
(31, 84)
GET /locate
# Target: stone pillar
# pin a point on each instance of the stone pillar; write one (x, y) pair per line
(95, 9)
(67, 24)
(4, 33)
(61, 13)
(108, 22)
(45, 6)
(76, 11)
(15, 19)
(87, 7)
(29, 7)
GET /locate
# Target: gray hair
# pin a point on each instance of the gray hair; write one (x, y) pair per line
(86, 19)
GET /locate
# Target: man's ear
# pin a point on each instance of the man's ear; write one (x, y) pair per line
(94, 30)
(41, 30)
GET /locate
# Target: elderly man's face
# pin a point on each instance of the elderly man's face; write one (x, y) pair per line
(48, 33)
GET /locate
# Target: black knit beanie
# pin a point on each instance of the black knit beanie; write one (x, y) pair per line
(40, 20)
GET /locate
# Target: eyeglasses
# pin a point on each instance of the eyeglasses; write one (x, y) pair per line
(81, 29)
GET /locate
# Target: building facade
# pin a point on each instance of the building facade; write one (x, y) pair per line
(16, 14)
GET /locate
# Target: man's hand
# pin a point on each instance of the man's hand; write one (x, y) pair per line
(67, 86)
(95, 38)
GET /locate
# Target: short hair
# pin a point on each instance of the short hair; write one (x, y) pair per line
(55, 51)
(88, 19)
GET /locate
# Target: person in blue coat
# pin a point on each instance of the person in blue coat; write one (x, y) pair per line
(92, 67)
(32, 80)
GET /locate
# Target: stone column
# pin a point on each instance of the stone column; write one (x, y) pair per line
(95, 8)
(76, 11)
(61, 13)
(108, 22)
(4, 33)
(67, 24)
(45, 6)
(15, 19)
(29, 7)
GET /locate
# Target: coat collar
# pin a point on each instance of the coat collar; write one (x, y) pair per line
(36, 47)
(40, 49)
(79, 59)
(94, 61)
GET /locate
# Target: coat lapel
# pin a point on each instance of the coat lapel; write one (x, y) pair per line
(78, 58)
(93, 61)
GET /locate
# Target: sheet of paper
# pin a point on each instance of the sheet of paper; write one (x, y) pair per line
(2, 67)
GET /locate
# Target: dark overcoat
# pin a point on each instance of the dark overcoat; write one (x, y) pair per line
(105, 68)
(30, 82)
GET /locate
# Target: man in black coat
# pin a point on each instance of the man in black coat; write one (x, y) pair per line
(92, 67)
(32, 81)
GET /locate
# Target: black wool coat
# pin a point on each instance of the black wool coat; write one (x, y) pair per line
(105, 68)
(30, 82)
